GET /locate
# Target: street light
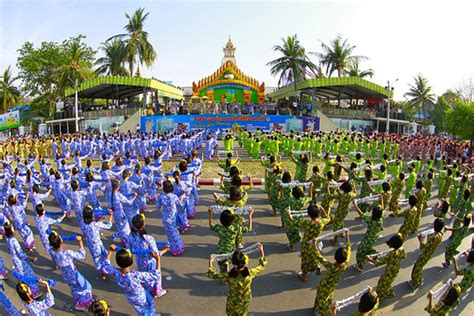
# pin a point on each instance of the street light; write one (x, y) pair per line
(389, 89)
(76, 109)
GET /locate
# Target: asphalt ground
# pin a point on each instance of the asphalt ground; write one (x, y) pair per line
(276, 291)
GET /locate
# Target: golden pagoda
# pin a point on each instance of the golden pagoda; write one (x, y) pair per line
(228, 82)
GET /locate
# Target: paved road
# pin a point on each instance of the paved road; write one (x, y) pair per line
(276, 291)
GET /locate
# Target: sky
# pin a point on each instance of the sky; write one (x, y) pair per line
(402, 38)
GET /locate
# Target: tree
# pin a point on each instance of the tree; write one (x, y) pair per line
(138, 49)
(419, 95)
(293, 64)
(46, 71)
(9, 93)
(338, 56)
(459, 119)
(438, 114)
(77, 66)
(355, 71)
(112, 63)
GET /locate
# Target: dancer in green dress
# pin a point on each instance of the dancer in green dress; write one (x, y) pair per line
(345, 196)
(410, 215)
(329, 282)
(316, 180)
(447, 304)
(240, 281)
(296, 201)
(397, 188)
(228, 231)
(467, 272)
(313, 227)
(410, 182)
(301, 166)
(366, 189)
(456, 239)
(421, 201)
(374, 227)
(393, 262)
(427, 250)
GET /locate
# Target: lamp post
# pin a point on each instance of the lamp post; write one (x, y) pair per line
(76, 108)
(389, 89)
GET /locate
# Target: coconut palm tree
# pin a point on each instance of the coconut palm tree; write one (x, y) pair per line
(293, 65)
(9, 94)
(419, 95)
(112, 63)
(138, 49)
(355, 71)
(77, 67)
(337, 56)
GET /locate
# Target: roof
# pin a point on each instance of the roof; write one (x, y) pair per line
(108, 87)
(332, 88)
(228, 73)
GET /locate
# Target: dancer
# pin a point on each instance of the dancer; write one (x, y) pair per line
(240, 281)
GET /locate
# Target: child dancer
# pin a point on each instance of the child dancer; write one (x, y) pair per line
(333, 275)
(456, 239)
(91, 230)
(133, 282)
(80, 288)
(20, 259)
(143, 245)
(467, 272)
(169, 202)
(374, 227)
(16, 212)
(42, 224)
(33, 306)
(313, 227)
(240, 281)
(228, 230)
(393, 261)
(427, 250)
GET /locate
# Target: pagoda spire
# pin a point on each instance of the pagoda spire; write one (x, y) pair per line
(229, 52)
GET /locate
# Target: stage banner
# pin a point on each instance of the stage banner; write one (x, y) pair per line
(9, 120)
(226, 121)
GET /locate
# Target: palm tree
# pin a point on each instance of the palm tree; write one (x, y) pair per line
(138, 49)
(293, 65)
(112, 63)
(9, 94)
(76, 68)
(337, 56)
(354, 70)
(419, 95)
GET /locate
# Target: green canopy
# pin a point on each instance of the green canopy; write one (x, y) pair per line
(107, 87)
(333, 88)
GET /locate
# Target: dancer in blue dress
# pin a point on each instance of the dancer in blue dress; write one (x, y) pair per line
(168, 202)
(133, 282)
(91, 230)
(20, 259)
(143, 245)
(33, 306)
(81, 289)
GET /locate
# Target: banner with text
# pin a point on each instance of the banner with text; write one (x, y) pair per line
(226, 121)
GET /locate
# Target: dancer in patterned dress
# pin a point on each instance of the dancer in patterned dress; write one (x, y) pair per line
(447, 304)
(467, 272)
(456, 239)
(328, 284)
(409, 215)
(312, 227)
(168, 202)
(393, 262)
(81, 289)
(20, 259)
(33, 306)
(427, 250)
(133, 282)
(397, 188)
(345, 196)
(240, 281)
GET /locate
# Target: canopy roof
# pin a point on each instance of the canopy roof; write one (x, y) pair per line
(108, 87)
(333, 88)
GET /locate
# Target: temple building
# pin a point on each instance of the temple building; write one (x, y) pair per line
(229, 84)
